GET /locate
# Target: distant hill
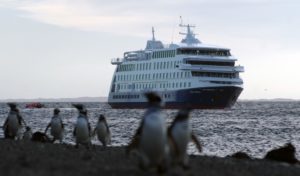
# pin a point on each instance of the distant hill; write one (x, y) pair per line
(79, 99)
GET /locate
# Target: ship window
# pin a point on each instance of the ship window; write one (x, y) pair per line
(210, 63)
(211, 52)
(189, 84)
(184, 84)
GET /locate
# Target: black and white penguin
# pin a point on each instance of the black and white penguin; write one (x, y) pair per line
(179, 135)
(150, 138)
(57, 126)
(82, 130)
(102, 131)
(13, 123)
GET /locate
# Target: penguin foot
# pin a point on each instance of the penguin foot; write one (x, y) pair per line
(161, 170)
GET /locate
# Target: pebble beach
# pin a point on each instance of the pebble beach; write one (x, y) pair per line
(28, 158)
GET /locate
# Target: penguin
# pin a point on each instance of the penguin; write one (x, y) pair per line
(179, 135)
(57, 126)
(27, 134)
(13, 123)
(82, 129)
(102, 131)
(150, 138)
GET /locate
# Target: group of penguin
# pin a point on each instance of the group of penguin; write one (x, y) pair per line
(82, 129)
(159, 147)
(156, 145)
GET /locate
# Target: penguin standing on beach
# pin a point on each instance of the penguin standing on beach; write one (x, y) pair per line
(179, 135)
(151, 137)
(57, 126)
(102, 131)
(82, 130)
(13, 123)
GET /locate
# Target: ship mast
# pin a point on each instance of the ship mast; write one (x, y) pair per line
(153, 37)
(190, 38)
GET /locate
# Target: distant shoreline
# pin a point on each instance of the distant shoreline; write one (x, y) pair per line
(79, 99)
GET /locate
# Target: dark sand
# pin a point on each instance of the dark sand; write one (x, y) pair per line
(31, 159)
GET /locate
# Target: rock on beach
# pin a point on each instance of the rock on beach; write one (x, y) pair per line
(34, 158)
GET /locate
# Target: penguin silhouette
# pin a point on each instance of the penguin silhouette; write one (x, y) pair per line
(82, 129)
(150, 138)
(13, 123)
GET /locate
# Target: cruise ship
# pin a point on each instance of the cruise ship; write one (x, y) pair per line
(190, 74)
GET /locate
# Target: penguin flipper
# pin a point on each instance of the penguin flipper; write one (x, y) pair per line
(21, 120)
(172, 142)
(62, 124)
(47, 128)
(133, 144)
(74, 132)
(135, 139)
(90, 129)
(196, 142)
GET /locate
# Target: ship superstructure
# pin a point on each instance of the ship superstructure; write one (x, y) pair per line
(186, 75)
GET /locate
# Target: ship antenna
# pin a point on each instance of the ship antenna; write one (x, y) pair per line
(180, 21)
(153, 37)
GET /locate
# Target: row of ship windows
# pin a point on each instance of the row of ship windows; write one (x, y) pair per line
(212, 74)
(148, 66)
(135, 96)
(175, 75)
(164, 54)
(154, 76)
(126, 96)
(208, 52)
(142, 86)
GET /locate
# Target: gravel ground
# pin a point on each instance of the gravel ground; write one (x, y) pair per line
(32, 159)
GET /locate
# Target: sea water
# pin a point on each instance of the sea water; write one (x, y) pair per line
(254, 127)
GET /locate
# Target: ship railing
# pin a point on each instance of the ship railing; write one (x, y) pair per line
(137, 55)
(211, 68)
(233, 80)
(213, 58)
(116, 61)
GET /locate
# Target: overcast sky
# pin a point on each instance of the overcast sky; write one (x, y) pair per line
(63, 48)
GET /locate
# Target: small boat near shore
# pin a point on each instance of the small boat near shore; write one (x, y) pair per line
(34, 105)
